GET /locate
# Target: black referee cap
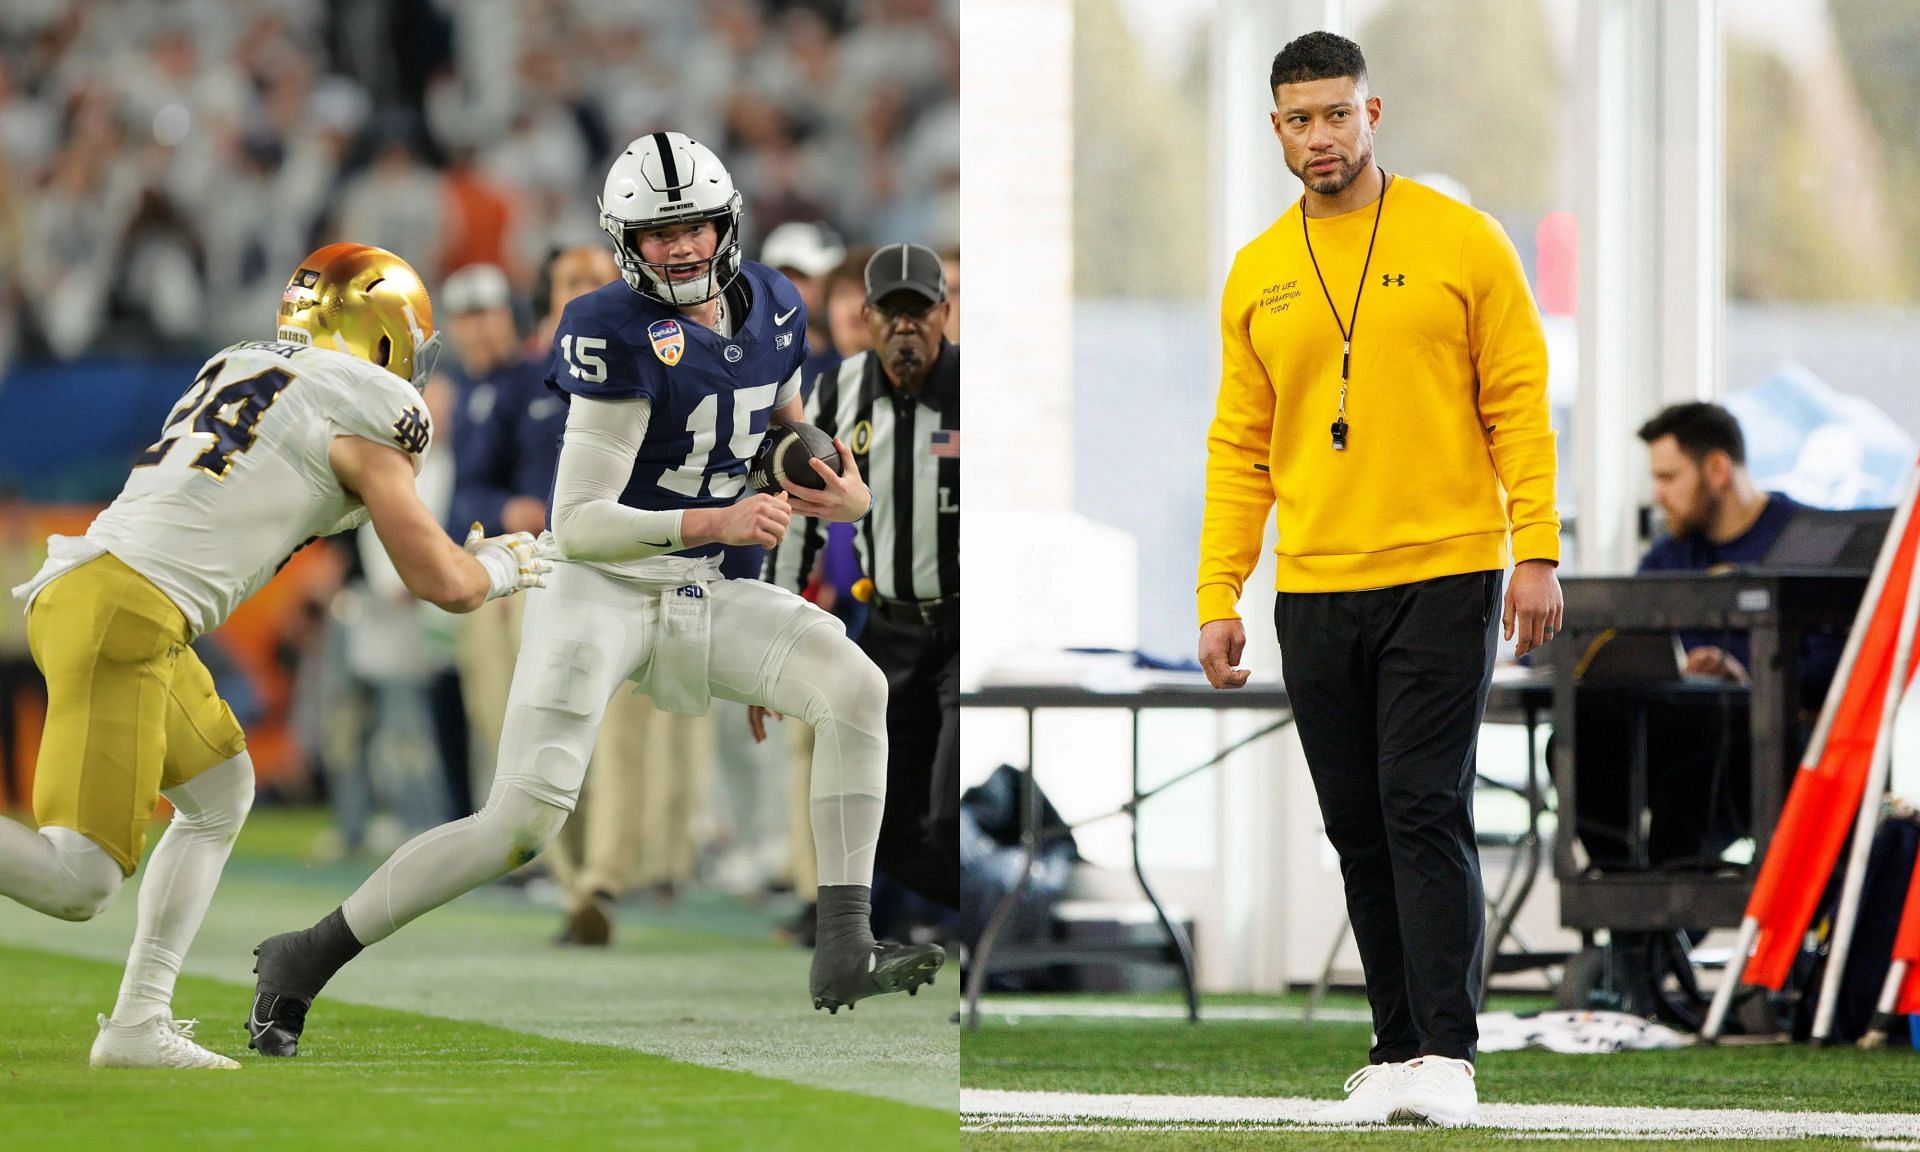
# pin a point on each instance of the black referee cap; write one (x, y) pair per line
(906, 268)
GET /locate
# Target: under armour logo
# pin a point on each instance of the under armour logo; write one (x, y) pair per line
(1389, 280)
(410, 431)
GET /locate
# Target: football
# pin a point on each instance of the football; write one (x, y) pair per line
(783, 455)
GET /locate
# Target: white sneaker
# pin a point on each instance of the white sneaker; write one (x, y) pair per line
(1439, 1091)
(1372, 1095)
(159, 1042)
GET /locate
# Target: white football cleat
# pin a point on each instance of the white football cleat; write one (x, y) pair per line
(1372, 1095)
(159, 1042)
(1440, 1091)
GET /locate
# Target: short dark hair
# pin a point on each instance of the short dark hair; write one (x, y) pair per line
(852, 270)
(1699, 429)
(1318, 56)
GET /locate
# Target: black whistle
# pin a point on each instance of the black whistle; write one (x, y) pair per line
(1340, 435)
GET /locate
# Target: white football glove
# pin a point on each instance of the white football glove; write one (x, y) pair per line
(514, 562)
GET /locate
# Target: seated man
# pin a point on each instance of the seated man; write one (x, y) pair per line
(1697, 742)
(1716, 516)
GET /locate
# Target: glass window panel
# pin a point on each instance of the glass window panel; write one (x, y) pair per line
(1823, 242)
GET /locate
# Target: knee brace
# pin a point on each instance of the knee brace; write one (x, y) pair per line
(828, 682)
(216, 801)
(85, 878)
(827, 679)
(521, 821)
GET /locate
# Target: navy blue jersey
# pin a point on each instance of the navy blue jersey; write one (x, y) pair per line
(506, 441)
(1820, 656)
(1698, 554)
(710, 395)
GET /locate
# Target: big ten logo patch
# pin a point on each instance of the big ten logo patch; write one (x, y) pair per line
(1277, 298)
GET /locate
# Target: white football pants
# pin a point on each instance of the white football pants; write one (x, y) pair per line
(583, 637)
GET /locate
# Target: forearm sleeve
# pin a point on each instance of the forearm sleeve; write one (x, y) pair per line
(596, 463)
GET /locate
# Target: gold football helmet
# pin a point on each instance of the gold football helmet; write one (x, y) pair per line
(366, 302)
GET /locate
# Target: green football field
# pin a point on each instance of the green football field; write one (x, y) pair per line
(470, 1030)
(1020, 1052)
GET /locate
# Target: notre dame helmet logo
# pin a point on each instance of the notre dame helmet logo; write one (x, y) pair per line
(410, 431)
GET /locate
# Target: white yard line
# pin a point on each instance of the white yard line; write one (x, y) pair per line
(1039, 1007)
(991, 1110)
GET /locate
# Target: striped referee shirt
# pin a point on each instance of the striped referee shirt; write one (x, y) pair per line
(908, 450)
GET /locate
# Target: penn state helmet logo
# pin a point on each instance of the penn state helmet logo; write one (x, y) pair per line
(669, 342)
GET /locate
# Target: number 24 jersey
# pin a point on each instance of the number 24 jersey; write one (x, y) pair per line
(239, 478)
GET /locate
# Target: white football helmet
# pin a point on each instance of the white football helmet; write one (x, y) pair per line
(666, 178)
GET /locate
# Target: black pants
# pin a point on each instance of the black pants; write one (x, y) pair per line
(1388, 687)
(920, 833)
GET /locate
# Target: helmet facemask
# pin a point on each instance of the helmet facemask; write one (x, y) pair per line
(652, 280)
(424, 358)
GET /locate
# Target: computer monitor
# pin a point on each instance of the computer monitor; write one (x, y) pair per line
(1828, 539)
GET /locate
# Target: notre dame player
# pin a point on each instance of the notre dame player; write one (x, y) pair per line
(275, 443)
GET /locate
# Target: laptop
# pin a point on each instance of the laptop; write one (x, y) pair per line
(1633, 658)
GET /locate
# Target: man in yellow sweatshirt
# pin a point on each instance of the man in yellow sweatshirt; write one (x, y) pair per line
(1384, 392)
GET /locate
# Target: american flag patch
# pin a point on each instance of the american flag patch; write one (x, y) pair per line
(946, 443)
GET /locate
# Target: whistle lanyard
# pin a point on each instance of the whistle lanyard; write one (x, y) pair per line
(1353, 322)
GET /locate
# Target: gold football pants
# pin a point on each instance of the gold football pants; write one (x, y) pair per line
(130, 709)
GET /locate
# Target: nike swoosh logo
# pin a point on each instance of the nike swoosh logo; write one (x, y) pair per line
(260, 1025)
(657, 543)
(783, 317)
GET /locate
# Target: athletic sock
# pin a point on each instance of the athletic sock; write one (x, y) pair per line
(320, 951)
(844, 917)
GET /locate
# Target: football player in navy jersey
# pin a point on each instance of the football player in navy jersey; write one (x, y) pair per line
(674, 374)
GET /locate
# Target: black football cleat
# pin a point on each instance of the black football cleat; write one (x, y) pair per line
(274, 1026)
(278, 1016)
(885, 968)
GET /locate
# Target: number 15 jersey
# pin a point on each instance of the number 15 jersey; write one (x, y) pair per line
(239, 478)
(709, 395)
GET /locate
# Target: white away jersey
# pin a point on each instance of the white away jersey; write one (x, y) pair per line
(239, 479)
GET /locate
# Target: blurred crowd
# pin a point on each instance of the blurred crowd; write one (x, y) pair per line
(163, 165)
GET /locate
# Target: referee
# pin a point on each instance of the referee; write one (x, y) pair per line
(897, 407)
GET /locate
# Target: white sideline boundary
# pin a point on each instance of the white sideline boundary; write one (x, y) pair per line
(989, 1110)
(1039, 1008)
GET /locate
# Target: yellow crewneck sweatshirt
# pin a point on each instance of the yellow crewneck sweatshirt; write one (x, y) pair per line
(1446, 408)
